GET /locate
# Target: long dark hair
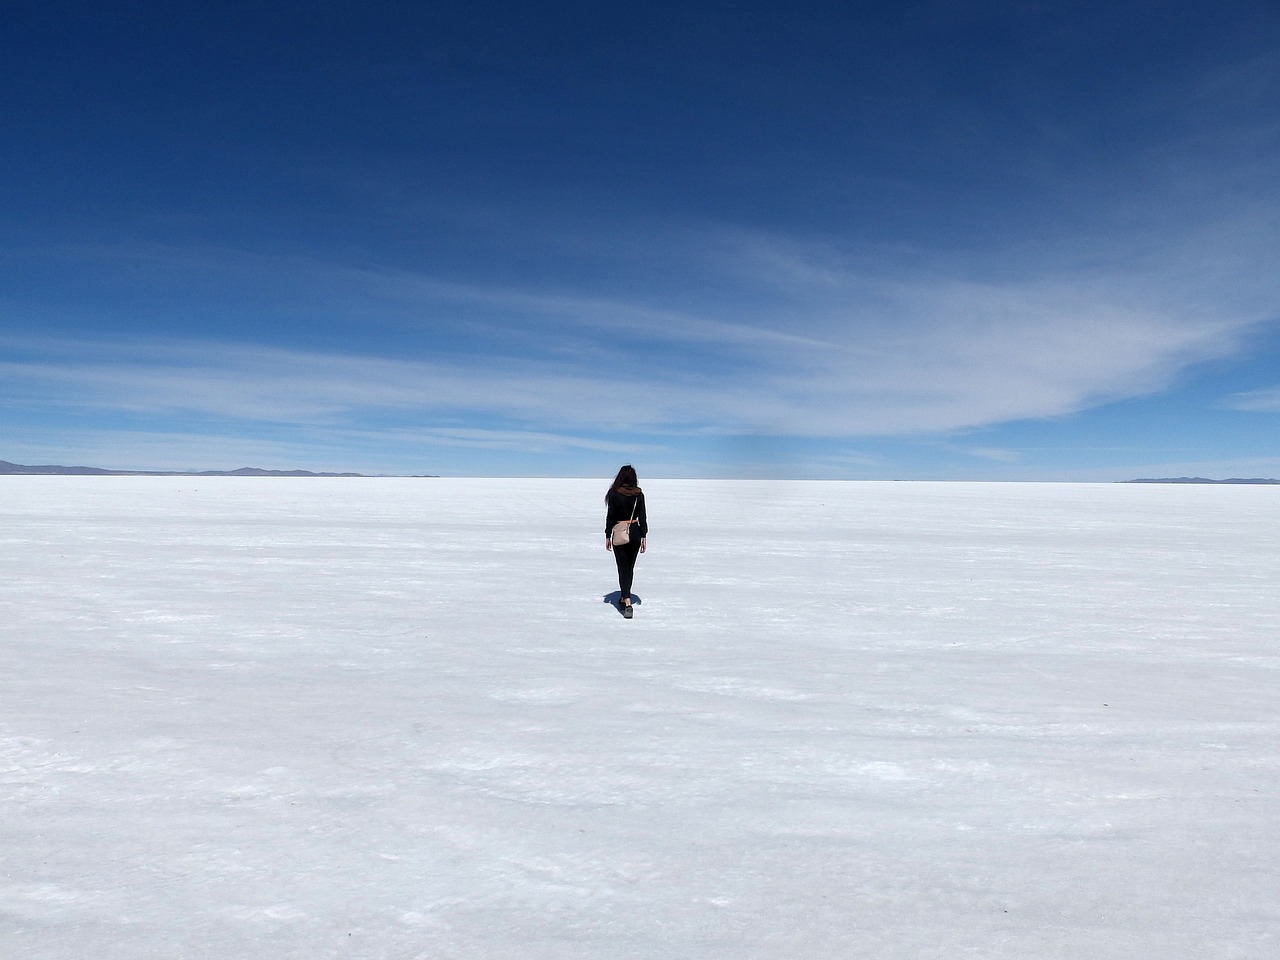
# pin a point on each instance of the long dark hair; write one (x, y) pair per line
(625, 482)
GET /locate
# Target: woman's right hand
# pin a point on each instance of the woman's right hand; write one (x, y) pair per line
(608, 544)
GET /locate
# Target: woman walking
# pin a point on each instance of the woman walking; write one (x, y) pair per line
(625, 528)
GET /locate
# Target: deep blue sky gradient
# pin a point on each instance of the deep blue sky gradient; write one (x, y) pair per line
(953, 240)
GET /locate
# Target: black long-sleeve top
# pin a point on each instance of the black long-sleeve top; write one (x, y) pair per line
(620, 507)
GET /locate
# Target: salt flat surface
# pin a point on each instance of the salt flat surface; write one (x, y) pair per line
(266, 718)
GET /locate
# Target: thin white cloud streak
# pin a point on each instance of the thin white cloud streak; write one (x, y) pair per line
(595, 312)
(1255, 401)
(521, 441)
(268, 385)
(996, 454)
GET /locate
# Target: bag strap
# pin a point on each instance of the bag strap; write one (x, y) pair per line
(634, 504)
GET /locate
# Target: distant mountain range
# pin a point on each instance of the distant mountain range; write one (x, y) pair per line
(53, 470)
(1203, 480)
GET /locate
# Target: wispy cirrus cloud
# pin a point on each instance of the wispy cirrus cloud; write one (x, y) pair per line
(804, 339)
(1255, 401)
(752, 332)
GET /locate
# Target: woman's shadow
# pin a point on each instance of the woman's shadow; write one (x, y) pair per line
(615, 598)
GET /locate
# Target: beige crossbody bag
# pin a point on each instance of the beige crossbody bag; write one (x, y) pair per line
(621, 534)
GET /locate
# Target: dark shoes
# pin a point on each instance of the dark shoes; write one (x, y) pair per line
(627, 611)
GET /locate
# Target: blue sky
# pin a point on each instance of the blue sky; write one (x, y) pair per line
(938, 240)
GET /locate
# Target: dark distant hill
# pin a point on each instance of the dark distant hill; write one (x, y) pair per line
(258, 472)
(1203, 480)
(53, 470)
(7, 468)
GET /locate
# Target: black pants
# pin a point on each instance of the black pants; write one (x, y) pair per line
(625, 557)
